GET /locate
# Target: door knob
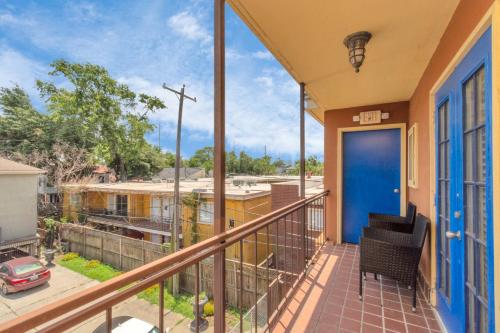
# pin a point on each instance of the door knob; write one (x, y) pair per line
(451, 235)
(457, 214)
(396, 190)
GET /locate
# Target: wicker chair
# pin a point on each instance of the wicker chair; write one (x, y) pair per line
(393, 254)
(394, 222)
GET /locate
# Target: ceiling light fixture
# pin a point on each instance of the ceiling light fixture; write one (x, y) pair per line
(355, 43)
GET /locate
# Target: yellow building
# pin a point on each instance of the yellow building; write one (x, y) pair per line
(145, 210)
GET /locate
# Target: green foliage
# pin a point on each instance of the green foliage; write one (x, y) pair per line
(88, 110)
(241, 163)
(92, 264)
(50, 224)
(193, 201)
(313, 166)
(64, 220)
(70, 256)
(180, 304)
(208, 308)
(202, 158)
(96, 271)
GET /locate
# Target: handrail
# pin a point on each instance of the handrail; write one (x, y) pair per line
(150, 274)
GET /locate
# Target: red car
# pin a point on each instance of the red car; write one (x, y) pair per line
(21, 274)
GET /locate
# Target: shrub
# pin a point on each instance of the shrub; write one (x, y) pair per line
(92, 264)
(70, 256)
(208, 309)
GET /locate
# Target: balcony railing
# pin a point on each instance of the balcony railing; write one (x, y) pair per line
(292, 235)
(115, 218)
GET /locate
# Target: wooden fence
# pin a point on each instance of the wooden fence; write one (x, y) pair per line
(125, 253)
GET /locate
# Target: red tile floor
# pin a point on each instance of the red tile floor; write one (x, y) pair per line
(327, 300)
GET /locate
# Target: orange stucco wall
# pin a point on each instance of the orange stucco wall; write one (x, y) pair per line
(464, 20)
(339, 118)
(467, 15)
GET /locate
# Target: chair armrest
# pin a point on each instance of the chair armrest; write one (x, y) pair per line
(375, 217)
(393, 237)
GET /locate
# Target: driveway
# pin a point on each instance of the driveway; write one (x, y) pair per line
(65, 282)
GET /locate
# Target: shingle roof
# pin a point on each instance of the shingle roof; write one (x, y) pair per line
(8, 167)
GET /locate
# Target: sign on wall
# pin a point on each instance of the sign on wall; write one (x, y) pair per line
(370, 117)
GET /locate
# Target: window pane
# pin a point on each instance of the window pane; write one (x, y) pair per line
(483, 272)
(480, 97)
(468, 156)
(481, 154)
(468, 112)
(470, 261)
(469, 208)
(481, 193)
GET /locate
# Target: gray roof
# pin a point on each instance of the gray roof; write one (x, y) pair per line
(8, 167)
(185, 173)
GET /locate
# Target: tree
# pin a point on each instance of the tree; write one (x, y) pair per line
(263, 166)
(112, 119)
(232, 163)
(313, 166)
(203, 158)
(246, 163)
(22, 128)
(93, 119)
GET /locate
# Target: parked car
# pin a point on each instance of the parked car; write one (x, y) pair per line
(21, 274)
(127, 324)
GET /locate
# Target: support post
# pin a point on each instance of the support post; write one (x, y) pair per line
(219, 163)
(302, 212)
(302, 142)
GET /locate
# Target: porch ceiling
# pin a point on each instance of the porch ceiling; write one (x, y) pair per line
(307, 38)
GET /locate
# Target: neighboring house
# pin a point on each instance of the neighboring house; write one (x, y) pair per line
(185, 173)
(18, 206)
(145, 209)
(48, 197)
(103, 174)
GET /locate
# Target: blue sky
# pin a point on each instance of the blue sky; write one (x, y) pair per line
(146, 43)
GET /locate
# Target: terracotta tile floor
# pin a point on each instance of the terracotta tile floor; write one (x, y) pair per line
(327, 300)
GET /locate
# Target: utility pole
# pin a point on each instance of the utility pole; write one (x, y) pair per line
(159, 136)
(177, 212)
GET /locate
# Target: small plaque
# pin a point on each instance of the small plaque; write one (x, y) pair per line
(370, 117)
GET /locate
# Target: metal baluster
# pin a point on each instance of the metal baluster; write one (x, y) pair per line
(285, 266)
(267, 272)
(161, 301)
(255, 282)
(240, 303)
(197, 296)
(109, 320)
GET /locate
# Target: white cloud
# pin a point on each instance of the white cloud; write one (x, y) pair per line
(264, 55)
(16, 68)
(188, 26)
(261, 98)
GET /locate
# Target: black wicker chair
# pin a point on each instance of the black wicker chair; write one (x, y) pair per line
(393, 254)
(394, 222)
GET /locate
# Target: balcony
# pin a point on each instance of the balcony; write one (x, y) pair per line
(120, 220)
(311, 284)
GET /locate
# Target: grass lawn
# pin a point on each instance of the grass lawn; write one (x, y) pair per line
(89, 268)
(101, 272)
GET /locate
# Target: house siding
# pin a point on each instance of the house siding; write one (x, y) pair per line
(18, 206)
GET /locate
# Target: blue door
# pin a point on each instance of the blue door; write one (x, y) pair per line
(464, 192)
(371, 178)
